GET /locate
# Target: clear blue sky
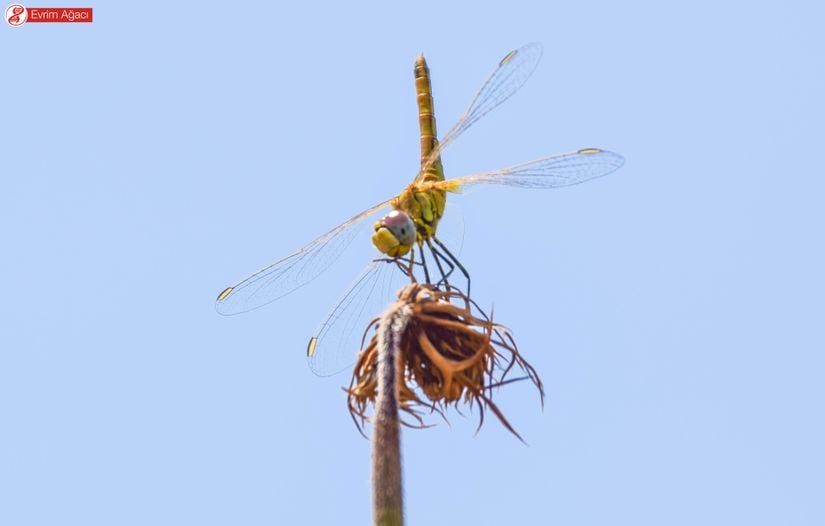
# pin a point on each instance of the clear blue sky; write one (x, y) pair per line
(674, 309)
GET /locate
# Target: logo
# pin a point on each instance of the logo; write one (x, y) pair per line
(17, 15)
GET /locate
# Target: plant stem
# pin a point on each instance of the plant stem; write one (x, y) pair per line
(386, 443)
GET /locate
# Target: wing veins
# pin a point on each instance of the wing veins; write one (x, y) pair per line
(522, 60)
(571, 167)
(257, 283)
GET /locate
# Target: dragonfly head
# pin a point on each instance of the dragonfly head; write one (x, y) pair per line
(394, 234)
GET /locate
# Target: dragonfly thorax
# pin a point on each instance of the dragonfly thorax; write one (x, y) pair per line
(424, 205)
(395, 234)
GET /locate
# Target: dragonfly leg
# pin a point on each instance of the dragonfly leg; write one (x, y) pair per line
(438, 257)
(424, 264)
(403, 264)
(456, 261)
(401, 260)
(410, 272)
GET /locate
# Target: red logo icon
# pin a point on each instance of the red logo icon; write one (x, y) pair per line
(16, 15)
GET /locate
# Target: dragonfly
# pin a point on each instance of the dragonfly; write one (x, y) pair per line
(405, 227)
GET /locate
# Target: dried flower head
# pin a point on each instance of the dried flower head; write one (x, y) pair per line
(450, 352)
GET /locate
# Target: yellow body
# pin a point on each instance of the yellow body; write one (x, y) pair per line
(418, 209)
(425, 206)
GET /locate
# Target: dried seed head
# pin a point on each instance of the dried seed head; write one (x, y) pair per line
(451, 352)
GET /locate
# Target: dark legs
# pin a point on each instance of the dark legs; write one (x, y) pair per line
(442, 257)
(424, 263)
(405, 264)
(439, 257)
(454, 260)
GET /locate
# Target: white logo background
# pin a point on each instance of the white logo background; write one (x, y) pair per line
(21, 17)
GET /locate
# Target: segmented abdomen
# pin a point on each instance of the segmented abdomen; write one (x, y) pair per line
(426, 120)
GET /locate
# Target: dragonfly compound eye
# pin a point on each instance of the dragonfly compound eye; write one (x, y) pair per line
(401, 226)
(394, 234)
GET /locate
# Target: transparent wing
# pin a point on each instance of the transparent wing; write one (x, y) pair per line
(550, 172)
(337, 341)
(293, 271)
(451, 228)
(510, 75)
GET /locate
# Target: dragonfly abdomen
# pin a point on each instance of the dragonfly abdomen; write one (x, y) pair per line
(426, 121)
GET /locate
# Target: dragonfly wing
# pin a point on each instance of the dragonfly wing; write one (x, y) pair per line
(550, 172)
(341, 335)
(510, 75)
(451, 228)
(295, 270)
